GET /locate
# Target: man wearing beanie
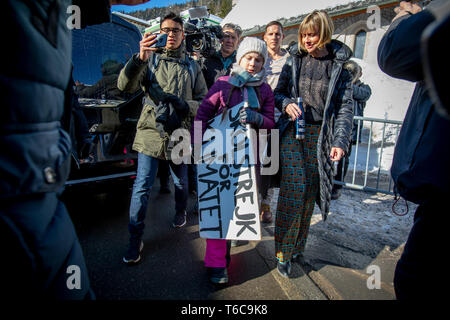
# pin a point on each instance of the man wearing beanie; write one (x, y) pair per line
(247, 78)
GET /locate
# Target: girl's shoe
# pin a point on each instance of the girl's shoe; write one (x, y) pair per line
(218, 275)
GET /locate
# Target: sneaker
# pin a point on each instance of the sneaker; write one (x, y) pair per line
(284, 268)
(266, 215)
(179, 220)
(133, 254)
(218, 275)
(336, 193)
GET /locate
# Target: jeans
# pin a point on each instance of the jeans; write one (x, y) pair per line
(146, 175)
(163, 173)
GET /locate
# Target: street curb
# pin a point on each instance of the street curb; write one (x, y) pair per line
(301, 286)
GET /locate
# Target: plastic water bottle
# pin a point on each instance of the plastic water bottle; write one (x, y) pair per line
(300, 122)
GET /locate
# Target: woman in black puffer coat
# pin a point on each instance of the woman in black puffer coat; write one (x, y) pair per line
(314, 72)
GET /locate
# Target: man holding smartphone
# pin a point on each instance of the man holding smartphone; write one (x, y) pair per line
(174, 87)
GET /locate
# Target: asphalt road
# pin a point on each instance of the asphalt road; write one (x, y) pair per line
(359, 233)
(172, 266)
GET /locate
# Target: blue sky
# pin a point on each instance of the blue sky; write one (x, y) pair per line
(150, 4)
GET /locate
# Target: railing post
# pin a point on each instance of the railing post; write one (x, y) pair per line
(364, 187)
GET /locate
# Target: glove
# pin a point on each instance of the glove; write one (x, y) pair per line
(167, 119)
(181, 107)
(161, 112)
(247, 115)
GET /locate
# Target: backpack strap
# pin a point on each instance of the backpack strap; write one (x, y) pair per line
(227, 102)
(191, 68)
(188, 62)
(152, 66)
(258, 94)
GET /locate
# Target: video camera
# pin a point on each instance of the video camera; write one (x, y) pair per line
(202, 30)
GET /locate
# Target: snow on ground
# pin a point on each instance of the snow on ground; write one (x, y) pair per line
(359, 226)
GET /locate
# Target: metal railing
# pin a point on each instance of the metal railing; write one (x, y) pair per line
(375, 180)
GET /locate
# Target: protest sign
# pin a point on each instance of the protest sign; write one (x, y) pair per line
(227, 185)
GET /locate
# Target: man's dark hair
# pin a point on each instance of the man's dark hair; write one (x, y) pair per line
(172, 16)
(274, 23)
(233, 27)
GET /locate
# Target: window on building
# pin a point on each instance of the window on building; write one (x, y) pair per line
(360, 44)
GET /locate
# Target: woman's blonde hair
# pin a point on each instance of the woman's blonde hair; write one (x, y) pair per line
(319, 21)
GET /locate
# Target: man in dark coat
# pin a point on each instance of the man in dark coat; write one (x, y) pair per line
(219, 64)
(42, 257)
(420, 167)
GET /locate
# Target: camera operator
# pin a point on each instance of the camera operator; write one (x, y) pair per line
(219, 64)
(420, 167)
(174, 88)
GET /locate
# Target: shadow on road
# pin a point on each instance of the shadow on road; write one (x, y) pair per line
(172, 265)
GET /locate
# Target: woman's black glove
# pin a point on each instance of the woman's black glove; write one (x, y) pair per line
(247, 115)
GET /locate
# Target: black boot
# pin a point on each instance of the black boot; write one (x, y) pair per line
(284, 268)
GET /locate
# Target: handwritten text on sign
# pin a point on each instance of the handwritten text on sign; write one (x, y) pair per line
(227, 190)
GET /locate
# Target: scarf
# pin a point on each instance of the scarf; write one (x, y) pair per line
(226, 61)
(240, 78)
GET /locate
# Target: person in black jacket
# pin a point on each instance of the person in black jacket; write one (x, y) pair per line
(219, 64)
(420, 167)
(361, 93)
(314, 72)
(41, 254)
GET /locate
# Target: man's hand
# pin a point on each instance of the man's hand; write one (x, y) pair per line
(293, 111)
(406, 8)
(128, 2)
(336, 154)
(145, 50)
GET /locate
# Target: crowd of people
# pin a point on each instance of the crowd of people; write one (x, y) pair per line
(180, 90)
(270, 79)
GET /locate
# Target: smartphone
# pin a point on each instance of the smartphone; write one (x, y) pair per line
(161, 40)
